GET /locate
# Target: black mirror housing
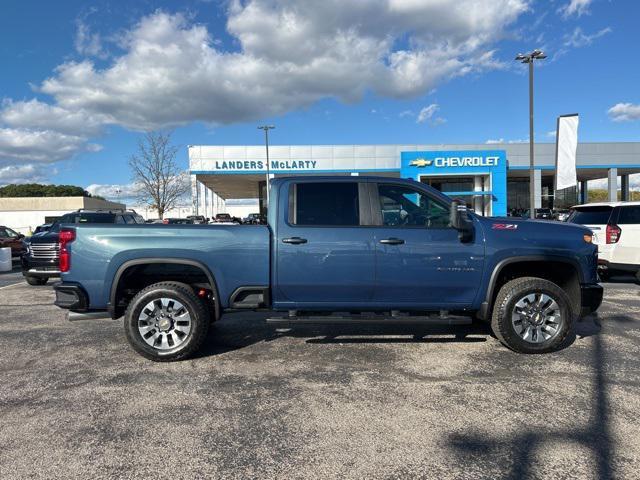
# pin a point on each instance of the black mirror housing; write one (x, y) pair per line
(459, 219)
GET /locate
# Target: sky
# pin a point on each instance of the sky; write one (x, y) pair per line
(82, 81)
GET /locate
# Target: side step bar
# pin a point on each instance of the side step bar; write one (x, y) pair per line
(360, 320)
(76, 316)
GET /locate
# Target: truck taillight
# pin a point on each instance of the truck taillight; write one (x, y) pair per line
(613, 233)
(165, 221)
(65, 237)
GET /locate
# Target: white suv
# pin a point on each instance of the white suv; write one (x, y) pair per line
(616, 231)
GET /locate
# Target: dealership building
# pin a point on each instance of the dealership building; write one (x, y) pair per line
(492, 179)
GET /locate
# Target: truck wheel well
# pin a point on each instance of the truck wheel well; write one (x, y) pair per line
(136, 277)
(561, 273)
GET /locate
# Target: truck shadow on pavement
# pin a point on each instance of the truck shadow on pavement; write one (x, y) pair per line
(522, 448)
(233, 333)
(241, 330)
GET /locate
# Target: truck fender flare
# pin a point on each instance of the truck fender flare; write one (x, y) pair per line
(179, 261)
(485, 307)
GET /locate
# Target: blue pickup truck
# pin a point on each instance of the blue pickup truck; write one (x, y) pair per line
(394, 247)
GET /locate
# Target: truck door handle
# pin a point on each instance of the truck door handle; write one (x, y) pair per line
(294, 240)
(392, 241)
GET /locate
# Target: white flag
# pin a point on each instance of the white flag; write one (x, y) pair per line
(566, 146)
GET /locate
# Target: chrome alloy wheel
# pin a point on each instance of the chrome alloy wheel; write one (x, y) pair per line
(536, 318)
(164, 323)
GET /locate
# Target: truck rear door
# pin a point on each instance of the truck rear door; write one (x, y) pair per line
(323, 252)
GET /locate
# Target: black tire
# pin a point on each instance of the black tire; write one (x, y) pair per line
(36, 280)
(504, 305)
(604, 275)
(200, 321)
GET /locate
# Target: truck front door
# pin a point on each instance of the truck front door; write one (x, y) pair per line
(420, 260)
(323, 256)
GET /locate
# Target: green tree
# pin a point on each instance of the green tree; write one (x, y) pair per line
(38, 190)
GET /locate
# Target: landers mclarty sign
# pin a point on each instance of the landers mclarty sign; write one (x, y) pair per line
(244, 165)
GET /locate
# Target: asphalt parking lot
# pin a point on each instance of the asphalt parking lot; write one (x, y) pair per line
(316, 402)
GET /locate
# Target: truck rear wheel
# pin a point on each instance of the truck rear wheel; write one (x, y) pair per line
(531, 315)
(166, 321)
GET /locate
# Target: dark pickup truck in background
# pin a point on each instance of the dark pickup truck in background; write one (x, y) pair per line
(393, 247)
(41, 251)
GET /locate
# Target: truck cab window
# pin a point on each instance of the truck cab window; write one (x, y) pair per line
(328, 204)
(404, 206)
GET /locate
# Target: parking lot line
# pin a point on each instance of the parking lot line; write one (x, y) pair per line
(12, 285)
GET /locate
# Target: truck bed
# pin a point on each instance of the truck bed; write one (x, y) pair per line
(236, 255)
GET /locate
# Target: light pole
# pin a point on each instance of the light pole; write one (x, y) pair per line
(266, 129)
(529, 58)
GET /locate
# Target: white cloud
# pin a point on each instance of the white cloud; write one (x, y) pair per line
(114, 191)
(34, 114)
(579, 39)
(289, 54)
(575, 7)
(88, 43)
(623, 112)
(25, 173)
(406, 113)
(43, 146)
(500, 141)
(551, 134)
(427, 113)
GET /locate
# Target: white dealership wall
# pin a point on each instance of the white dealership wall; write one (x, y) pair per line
(233, 172)
(24, 214)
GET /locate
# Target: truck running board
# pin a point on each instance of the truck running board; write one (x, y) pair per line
(76, 316)
(371, 320)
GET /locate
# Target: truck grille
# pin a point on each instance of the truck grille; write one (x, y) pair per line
(45, 250)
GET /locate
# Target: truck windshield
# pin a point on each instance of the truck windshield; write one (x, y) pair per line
(591, 215)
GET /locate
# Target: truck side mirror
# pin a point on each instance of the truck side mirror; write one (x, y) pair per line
(459, 219)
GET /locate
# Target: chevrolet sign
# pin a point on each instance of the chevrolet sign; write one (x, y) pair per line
(440, 162)
(466, 161)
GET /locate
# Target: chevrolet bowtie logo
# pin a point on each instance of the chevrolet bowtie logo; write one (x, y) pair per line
(421, 162)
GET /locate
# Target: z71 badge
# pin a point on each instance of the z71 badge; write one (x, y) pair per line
(505, 226)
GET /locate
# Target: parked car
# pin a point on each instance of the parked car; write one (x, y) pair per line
(255, 219)
(42, 250)
(616, 232)
(42, 228)
(541, 214)
(561, 214)
(177, 221)
(198, 219)
(12, 239)
(224, 218)
(529, 280)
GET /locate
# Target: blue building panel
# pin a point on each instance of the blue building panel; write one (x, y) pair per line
(492, 163)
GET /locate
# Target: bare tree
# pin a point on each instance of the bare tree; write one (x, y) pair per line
(160, 181)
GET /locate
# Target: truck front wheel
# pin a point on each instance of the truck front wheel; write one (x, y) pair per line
(531, 315)
(166, 321)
